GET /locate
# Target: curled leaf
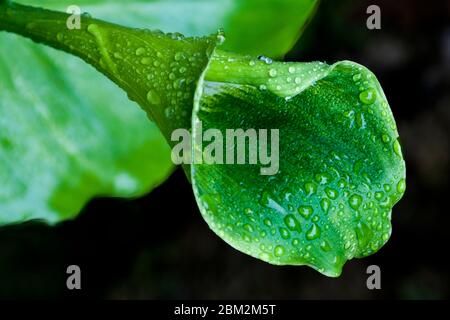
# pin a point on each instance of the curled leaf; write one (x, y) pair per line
(340, 171)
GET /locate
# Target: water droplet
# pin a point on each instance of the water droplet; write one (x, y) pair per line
(60, 36)
(285, 234)
(357, 77)
(305, 211)
(264, 256)
(297, 80)
(262, 87)
(153, 98)
(140, 51)
(379, 195)
(248, 227)
(368, 96)
(179, 56)
(252, 63)
(325, 204)
(313, 232)
(401, 186)
(323, 178)
(291, 69)
(342, 184)
(374, 246)
(272, 72)
(267, 201)
(331, 193)
(360, 120)
(385, 138)
(267, 60)
(363, 234)
(292, 223)
(310, 188)
(268, 222)
(146, 60)
(397, 148)
(278, 251)
(182, 70)
(176, 35)
(325, 246)
(117, 55)
(86, 15)
(355, 201)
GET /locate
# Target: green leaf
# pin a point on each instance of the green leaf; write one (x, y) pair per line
(340, 164)
(66, 135)
(269, 27)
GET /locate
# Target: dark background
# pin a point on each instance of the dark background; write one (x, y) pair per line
(124, 251)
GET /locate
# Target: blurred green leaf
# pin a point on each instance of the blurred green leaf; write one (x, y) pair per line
(341, 168)
(68, 134)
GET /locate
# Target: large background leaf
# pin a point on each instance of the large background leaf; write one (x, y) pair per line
(341, 168)
(67, 134)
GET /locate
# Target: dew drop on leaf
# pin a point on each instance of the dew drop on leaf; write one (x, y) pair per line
(278, 251)
(284, 233)
(146, 61)
(140, 51)
(397, 148)
(325, 204)
(368, 96)
(305, 211)
(325, 246)
(267, 60)
(153, 97)
(310, 188)
(355, 201)
(331, 193)
(357, 77)
(292, 223)
(313, 232)
(401, 186)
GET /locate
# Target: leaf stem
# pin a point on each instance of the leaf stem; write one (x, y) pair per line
(159, 71)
